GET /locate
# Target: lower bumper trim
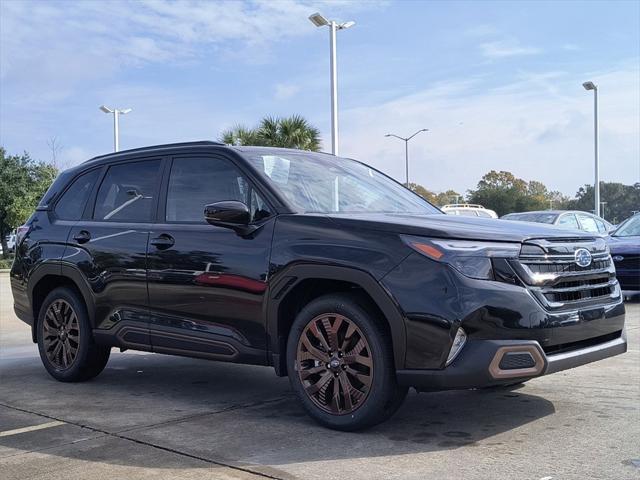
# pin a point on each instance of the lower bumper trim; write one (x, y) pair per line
(582, 356)
(477, 366)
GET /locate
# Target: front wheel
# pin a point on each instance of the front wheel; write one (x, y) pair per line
(65, 342)
(340, 364)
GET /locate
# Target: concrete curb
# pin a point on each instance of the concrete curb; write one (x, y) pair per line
(5, 270)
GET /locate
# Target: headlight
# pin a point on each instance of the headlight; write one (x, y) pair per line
(471, 258)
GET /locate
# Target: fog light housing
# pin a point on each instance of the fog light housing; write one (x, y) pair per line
(458, 343)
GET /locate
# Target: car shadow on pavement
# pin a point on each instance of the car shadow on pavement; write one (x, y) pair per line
(243, 416)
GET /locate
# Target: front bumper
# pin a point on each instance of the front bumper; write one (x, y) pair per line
(481, 362)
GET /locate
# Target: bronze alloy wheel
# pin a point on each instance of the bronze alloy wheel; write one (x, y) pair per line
(61, 334)
(334, 363)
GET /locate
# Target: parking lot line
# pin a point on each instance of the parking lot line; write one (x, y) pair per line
(16, 431)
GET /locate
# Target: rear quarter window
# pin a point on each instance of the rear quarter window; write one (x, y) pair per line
(74, 200)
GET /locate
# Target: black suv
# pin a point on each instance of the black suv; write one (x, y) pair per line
(322, 267)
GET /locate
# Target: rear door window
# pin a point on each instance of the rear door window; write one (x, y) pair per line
(569, 220)
(73, 201)
(128, 192)
(588, 223)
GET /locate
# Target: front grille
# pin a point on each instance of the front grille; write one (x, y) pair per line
(548, 267)
(584, 290)
(550, 271)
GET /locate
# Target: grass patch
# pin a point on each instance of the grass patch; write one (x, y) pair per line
(6, 262)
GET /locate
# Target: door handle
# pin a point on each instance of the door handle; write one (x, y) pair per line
(82, 236)
(162, 242)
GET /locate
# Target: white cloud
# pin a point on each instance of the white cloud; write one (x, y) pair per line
(286, 90)
(539, 130)
(48, 48)
(506, 48)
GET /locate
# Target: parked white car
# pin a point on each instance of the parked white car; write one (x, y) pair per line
(468, 210)
(571, 219)
(11, 242)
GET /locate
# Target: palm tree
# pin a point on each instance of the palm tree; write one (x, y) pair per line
(240, 135)
(287, 132)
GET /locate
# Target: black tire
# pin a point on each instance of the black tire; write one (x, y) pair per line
(89, 358)
(383, 395)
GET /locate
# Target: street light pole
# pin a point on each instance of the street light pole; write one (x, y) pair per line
(320, 21)
(406, 150)
(116, 132)
(334, 89)
(596, 149)
(116, 123)
(603, 209)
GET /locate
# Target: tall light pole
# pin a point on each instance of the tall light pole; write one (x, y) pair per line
(320, 21)
(596, 186)
(406, 150)
(116, 130)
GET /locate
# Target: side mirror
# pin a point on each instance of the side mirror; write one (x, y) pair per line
(229, 214)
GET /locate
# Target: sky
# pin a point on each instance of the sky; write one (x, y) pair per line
(498, 84)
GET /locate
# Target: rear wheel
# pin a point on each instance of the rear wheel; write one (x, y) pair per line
(340, 364)
(65, 343)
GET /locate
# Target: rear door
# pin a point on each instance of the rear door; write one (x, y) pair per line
(207, 284)
(568, 220)
(109, 248)
(587, 223)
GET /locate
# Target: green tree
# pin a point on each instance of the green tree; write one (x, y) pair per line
(23, 181)
(499, 191)
(505, 193)
(439, 199)
(449, 196)
(240, 135)
(287, 132)
(428, 195)
(622, 200)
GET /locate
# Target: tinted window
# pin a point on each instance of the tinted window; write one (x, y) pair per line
(588, 223)
(128, 192)
(196, 182)
(72, 203)
(569, 221)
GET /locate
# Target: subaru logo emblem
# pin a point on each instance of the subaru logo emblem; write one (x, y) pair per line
(583, 257)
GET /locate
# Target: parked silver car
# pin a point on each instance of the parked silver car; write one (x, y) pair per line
(571, 219)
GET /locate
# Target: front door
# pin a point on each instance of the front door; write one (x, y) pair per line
(207, 284)
(109, 248)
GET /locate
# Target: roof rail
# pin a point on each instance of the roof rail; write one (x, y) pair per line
(155, 147)
(463, 205)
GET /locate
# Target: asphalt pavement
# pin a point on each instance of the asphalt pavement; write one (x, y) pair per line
(156, 416)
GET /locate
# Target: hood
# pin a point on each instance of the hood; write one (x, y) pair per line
(624, 245)
(454, 226)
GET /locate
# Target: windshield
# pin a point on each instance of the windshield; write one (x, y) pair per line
(316, 183)
(532, 217)
(630, 228)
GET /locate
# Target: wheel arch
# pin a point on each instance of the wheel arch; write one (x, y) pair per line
(49, 276)
(298, 284)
